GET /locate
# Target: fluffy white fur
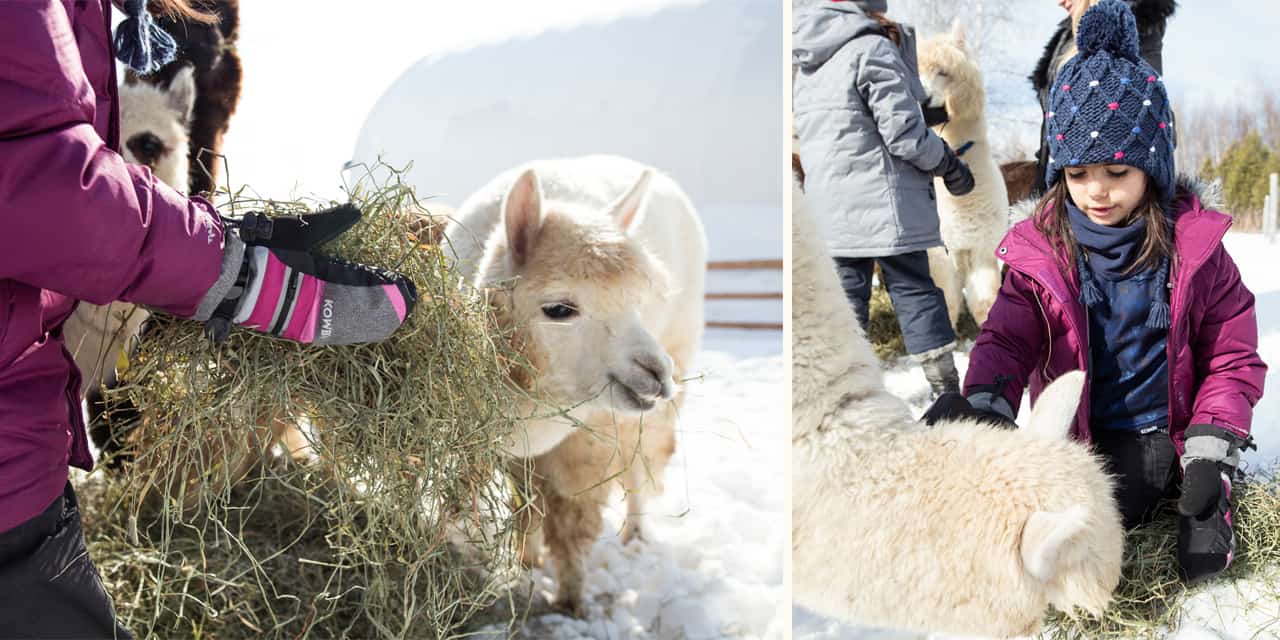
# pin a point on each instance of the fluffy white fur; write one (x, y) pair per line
(973, 224)
(960, 527)
(97, 334)
(621, 245)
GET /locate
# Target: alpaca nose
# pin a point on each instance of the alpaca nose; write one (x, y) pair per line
(659, 367)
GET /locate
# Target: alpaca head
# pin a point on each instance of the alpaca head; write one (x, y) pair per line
(950, 77)
(153, 126)
(578, 284)
(1073, 548)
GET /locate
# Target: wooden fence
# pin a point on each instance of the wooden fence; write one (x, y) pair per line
(745, 265)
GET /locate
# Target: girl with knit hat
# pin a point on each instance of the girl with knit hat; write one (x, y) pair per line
(1121, 272)
(78, 223)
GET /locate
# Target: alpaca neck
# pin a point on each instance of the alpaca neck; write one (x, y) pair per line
(959, 131)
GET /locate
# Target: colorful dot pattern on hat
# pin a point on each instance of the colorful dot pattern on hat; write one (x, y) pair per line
(1109, 105)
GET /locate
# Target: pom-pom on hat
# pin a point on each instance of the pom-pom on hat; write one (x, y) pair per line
(140, 43)
(1108, 105)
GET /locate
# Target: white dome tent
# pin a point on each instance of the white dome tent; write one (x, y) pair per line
(691, 89)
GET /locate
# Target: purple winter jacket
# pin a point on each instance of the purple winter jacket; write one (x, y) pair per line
(76, 223)
(1037, 329)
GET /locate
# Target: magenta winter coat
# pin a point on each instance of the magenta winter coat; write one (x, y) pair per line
(76, 223)
(1037, 329)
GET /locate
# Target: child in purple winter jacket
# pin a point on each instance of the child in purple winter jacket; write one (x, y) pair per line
(78, 223)
(1121, 272)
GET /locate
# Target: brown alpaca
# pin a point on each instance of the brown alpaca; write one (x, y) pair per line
(211, 50)
(1019, 178)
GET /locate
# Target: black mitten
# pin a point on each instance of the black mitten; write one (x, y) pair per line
(1206, 541)
(1209, 461)
(954, 172)
(953, 406)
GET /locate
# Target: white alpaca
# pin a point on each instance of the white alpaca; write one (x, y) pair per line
(606, 263)
(973, 224)
(960, 527)
(153, 128)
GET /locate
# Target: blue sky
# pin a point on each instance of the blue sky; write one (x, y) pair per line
(1219, 50)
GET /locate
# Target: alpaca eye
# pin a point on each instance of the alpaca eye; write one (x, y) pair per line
(559, 311)
(943, 74)
(146, 146)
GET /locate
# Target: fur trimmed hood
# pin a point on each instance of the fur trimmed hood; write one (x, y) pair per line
(1150, 14)
(1209, 193)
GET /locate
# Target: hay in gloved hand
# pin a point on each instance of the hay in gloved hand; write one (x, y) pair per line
(400, 448)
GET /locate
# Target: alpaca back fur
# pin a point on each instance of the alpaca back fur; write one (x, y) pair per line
(971, 224)
(960, 527)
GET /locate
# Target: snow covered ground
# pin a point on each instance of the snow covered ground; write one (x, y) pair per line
(1219, 611)
(712, 564)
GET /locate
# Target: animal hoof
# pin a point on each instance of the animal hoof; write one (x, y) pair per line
(572, 607)
(632, 532)
(530, 559)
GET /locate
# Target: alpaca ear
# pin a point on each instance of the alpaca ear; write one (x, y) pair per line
(1045, 536)
(627, 208)
(1055, 409)
(182, 92)
(957, 32)
(522, 217)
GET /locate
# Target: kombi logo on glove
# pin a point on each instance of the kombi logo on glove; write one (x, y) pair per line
(326, 319)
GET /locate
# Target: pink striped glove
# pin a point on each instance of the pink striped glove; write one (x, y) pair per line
(272, 282)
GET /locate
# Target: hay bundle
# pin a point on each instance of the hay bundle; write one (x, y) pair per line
(403, 446)
(1148, 602)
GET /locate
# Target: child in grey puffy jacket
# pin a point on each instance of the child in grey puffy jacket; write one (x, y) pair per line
(869, 161)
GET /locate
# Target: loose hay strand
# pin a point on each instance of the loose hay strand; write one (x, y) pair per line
(397, 527)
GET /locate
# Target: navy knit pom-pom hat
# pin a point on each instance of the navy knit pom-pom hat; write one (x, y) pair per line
(1109, 106)
(140, 43)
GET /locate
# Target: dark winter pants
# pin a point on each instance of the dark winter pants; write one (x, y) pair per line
(48, 586)
(1146, 470)
(917, 301)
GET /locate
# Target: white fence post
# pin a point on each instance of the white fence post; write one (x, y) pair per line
(1269, 213)
(1266, 217)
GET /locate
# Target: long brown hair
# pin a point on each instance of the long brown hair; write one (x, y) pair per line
(176, 9)
(1052, 221)
(890, 28)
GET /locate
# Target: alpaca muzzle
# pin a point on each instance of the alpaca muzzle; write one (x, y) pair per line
(645, 380)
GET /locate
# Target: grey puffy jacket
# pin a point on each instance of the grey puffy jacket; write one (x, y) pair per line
(863, 142)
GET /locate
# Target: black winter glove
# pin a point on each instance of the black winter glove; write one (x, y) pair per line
(1206, 541)
(272, 281)
(954, 172)
(1209, 460)
(953, 406)
(934, 116)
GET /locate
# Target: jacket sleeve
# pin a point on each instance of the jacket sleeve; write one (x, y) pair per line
(74, 217)
(1150, 34)
(883, 82)
(1229, 371)
(1010, 342)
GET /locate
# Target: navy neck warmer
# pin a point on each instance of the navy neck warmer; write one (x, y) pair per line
(1112, 251)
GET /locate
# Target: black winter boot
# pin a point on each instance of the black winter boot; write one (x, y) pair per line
(940, 370)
